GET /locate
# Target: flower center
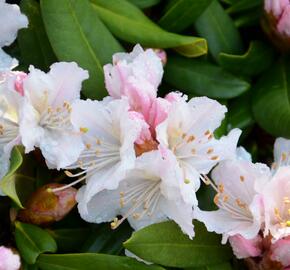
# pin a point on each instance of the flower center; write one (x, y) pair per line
(143, 199)
(147, 146)
(56, 118)
(283, 215)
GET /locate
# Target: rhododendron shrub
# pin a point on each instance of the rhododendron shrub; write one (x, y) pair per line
(139, 135)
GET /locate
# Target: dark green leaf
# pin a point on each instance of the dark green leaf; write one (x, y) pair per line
(77, 34)
(240, 112)
(33, 42)
(271, 99)
(243, 5)
(257, 59)
(70, 240)
(128, 23)
(219, 30)
(91, 262)
(31, 241)
(105, 240)
(203, 78)
(180, 14)
(8, 183)
(249, 18)
(165, 244)
(223, 266)
(144, 3)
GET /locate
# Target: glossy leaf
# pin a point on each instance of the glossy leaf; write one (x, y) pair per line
(219, 30)
(223, 266)
(70, 240)
(33, 41)
(8, 183)
(77, 34)
(243, 5)
(145, 3)
(128, 23)
(257, 59)
(203, 78)
(271, 100)
(87, 261)
(32, 241)
(165, 244)
(240, 112)
(180, 14)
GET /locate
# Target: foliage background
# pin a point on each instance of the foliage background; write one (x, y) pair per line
(215, 48)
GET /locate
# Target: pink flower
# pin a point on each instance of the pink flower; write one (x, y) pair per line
(279, 11)
(8, 260)
(281, 251)
(245, 248)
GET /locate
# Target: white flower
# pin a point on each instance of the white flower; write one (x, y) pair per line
(276, 197)
(8, 260)
(149, 194)
(187, 135)
(10, 102)
(11, 20)
(45, 115)
(239, 202)
(109, 136)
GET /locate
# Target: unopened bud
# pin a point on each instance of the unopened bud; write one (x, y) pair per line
(46, 206)
(162, 55)
(276, 22)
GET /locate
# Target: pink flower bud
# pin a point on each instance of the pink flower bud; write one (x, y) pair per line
(276, 22)
(281, 251)
(18, 84)
(8, 260)
(46, 206)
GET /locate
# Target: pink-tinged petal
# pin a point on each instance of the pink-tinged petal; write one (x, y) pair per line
(68, 79)
(281, 152)
(145, 134)
(158, 112)
(8, 260)
(175, 97)
(281, 251)
(11, 20)
(245, 248)
(276, 196)
(162, 55)
(284, 23)
(276, 7)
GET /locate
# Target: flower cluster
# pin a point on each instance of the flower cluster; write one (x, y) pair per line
(254, 206)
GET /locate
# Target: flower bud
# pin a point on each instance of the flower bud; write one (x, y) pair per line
(162, 55)
(276, 22)
(8, 260)
(46, 206)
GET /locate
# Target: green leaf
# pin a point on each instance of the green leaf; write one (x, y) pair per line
(257, 59)
(271, 99)
(219, 30)
(240, 112)
(70, 240)
(203, 78)
(223, 266)
(31, 241)
(86, 261)
(105, 240)
(8, 183)
(128, 23)
(77, 34)
(243, 5)
(145, 3)
(180, 14)
(165, 244)
(33, 41)
(249, 18)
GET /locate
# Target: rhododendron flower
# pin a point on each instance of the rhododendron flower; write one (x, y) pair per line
(149, 194)
(8, 260)
(109, 134)
(11, 20)
(280, 251)
(240, 204)
(10, 102)
(276, 196)
(45, 115)
(187, 135)
(245, 248)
